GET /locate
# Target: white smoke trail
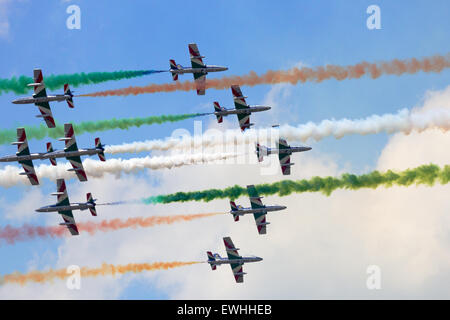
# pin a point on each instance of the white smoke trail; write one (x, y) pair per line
(404, 121)
(9, 176)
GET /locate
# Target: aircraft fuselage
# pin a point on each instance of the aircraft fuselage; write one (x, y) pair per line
(243, 211)
(288, 151)
(220, 260)
(205, 70)
(242, 111)
(58, 97)
(72, 206)
(51, 155)
(79, 152)
(14, 158)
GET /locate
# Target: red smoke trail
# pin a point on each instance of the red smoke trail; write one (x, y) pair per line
(26, 232)
(395, 67)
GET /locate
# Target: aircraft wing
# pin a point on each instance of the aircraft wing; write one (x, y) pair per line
(285, 158)
(69, 222)
(196, 58)
(39, 92)
(23, 150)
(63, 200)
(239, 103)
(71, 145)
(260, 217)
(200, 83)
(232, 253)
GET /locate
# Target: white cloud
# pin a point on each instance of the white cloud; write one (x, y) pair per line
(319, 247)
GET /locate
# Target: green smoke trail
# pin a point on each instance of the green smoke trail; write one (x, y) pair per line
(19, 84)
(38, 133)
(425, 174)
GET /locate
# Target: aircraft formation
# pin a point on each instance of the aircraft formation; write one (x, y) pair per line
(73, 154)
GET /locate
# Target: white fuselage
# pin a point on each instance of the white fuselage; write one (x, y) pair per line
(51, 155)
(79, 152)
(72, 206)
(249, 110)
(58, 97)
(219, 260)
(205, 70)
(243, 211)
(287, 151)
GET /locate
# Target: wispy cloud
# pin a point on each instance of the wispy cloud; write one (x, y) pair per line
(4, 21)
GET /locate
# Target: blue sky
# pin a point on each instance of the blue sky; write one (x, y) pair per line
(243, 35)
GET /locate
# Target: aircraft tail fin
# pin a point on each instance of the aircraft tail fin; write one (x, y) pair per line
(234, 207)
(70, 94)
(50, 149)
(173, 66)
(261, 151)
(91, 201)
(218, 108)
(99, 145)
(211, 259)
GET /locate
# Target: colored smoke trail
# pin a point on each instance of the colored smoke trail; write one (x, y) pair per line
(293, 76)
(9, 135)
(105, 269)
(425, 174)
(19, 84)
(404, 121)
(9, 175)
(11, 235)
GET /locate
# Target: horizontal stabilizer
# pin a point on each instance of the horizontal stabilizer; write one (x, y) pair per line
(287, 164)
(37, 84)
(263, 224)
(255, 198)
(77, 169)
(240, 97)
(240, 273)
(26, 173)
(65, 139)
(57, 193)
(18, 143)
(65, 224)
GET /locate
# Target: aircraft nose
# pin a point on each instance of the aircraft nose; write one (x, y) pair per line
(15, 101)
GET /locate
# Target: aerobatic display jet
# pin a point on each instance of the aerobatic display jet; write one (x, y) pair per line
(234, 260)
(284, 154)
(41, 99)
(24, 157)
(64, 207)
(258, 210)
(70, 152)
(199, 69)
(242, 109)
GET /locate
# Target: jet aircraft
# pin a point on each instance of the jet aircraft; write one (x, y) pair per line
(70, 152)
(258, 210)
(242, 109)
(41, 99)
(198, 69)
(64, 207)
(284, 154)
(234, 260)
